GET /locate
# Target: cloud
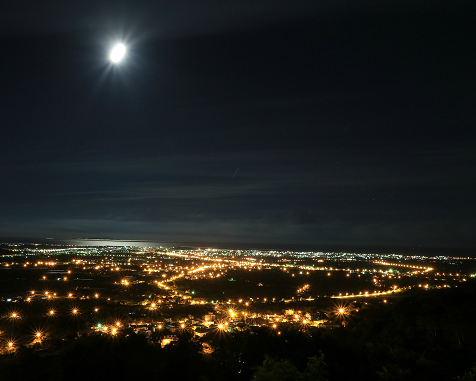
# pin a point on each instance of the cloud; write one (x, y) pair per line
(184, 17)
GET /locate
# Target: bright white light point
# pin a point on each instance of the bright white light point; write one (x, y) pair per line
(117, 53)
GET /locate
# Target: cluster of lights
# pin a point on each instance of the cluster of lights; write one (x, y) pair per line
(425, 269)
(113, 330)
(366, 294)
(303, 288)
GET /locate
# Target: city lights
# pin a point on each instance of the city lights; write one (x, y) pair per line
(153, 284)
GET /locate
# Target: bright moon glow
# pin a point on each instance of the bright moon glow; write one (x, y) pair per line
(117, 53)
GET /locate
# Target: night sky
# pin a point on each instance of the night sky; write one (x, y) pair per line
(240, 122)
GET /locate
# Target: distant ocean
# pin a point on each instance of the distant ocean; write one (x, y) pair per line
(85, 242)
(110, 242)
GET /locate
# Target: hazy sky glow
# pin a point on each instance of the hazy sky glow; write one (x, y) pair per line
(240, 122)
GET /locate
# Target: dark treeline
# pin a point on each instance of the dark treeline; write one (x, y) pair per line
(423, 335)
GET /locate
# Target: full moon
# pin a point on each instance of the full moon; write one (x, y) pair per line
(117, 53)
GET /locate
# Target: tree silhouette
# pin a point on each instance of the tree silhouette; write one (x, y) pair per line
(272, 370)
